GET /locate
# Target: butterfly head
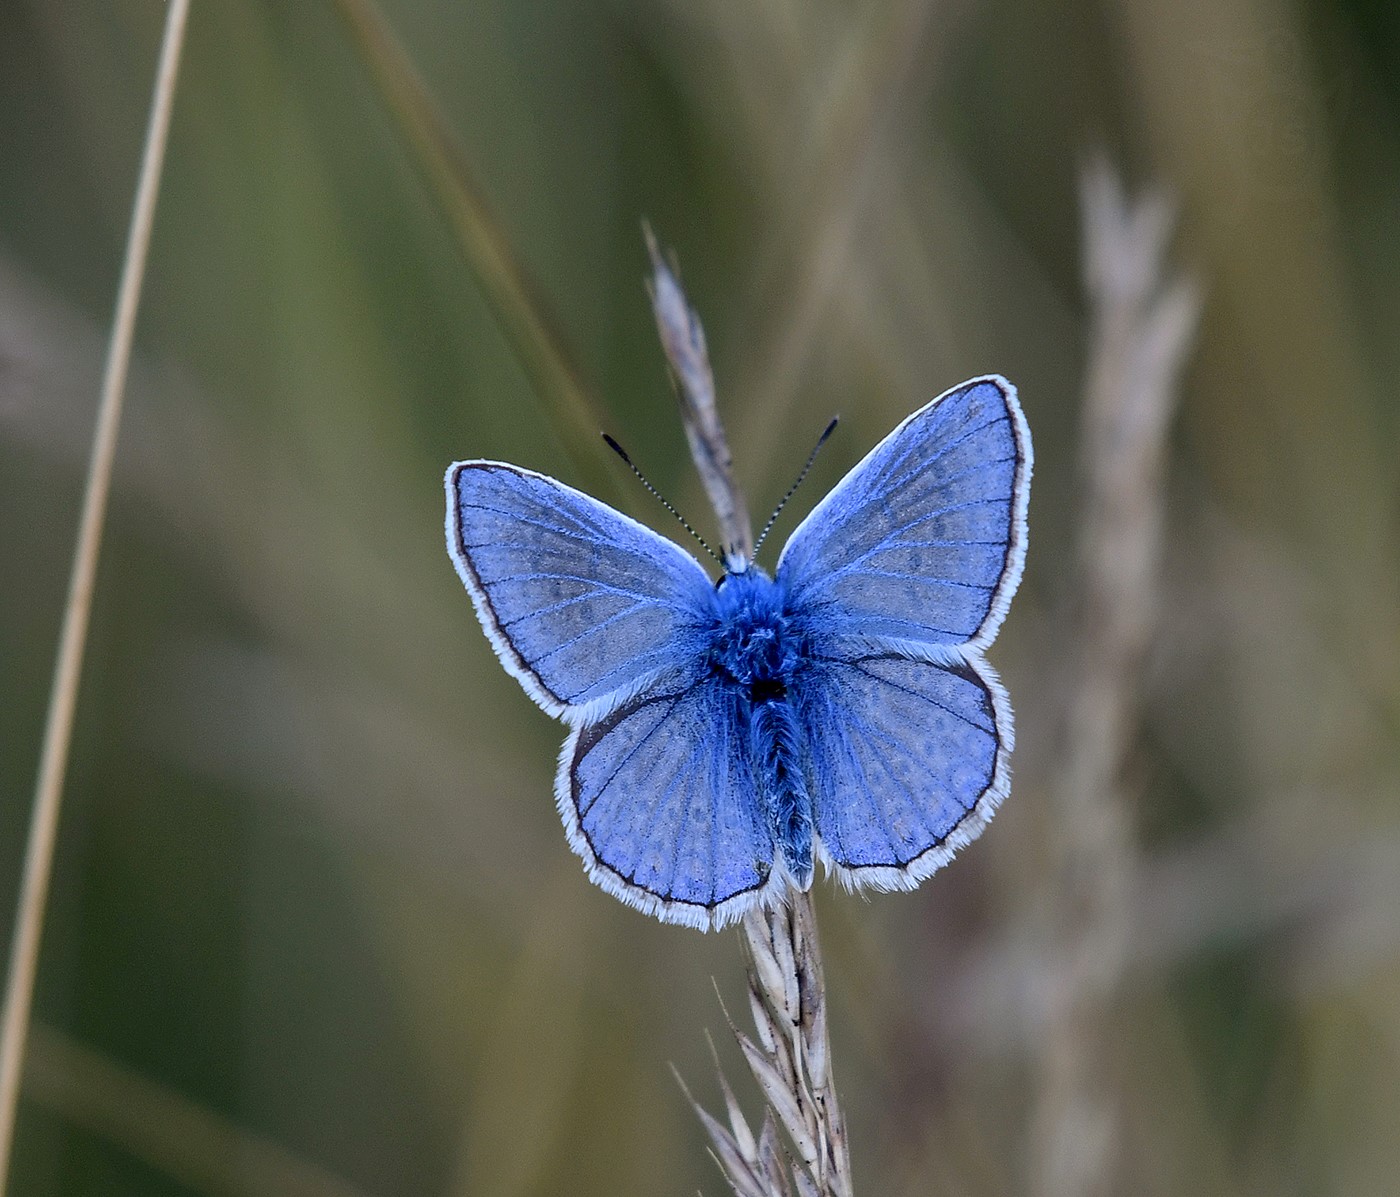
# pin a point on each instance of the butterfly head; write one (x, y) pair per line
(736, 562)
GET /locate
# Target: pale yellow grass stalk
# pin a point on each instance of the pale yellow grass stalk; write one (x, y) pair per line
(58, 730)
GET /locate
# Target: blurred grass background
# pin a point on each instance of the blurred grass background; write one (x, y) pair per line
(315, 927)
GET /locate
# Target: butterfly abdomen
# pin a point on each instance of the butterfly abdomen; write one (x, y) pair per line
(756, 651)
(777, 754)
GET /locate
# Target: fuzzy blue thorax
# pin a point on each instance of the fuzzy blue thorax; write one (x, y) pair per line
(758, 648)
(754, 644)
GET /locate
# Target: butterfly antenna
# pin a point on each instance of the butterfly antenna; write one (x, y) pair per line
(660, 498)
(792, 490)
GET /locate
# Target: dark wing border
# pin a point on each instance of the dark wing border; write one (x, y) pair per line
(767, 892)
(919, 868)
(1010, 578)
(509, 656)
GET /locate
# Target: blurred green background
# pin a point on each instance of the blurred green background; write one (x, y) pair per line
(315, 927)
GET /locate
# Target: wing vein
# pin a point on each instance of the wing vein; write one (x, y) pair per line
(933, 702)
(674, 700)
(943, 452)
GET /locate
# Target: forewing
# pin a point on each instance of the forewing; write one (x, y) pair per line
(580, 602)
(659, 799)
(924, 540)
(909, 759)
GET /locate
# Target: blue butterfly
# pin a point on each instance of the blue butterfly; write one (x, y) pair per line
(727, 735)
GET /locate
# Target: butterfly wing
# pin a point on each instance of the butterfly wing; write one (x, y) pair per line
(909, 759)
(924, 540)
(658, 797)
(582, 604)
(901, 577)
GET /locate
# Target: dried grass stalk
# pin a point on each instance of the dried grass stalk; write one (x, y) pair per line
(63, 700)
(515, 298)
(683, 339)
(790, 1056)
(1143, 321)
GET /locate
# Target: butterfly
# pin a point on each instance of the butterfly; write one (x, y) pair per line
(726, 736)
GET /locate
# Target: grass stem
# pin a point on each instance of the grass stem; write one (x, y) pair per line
(1144, 321)
(58, 730)
(791, 1058)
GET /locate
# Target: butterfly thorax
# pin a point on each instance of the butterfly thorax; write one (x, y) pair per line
(758, 649)
(754, 644)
